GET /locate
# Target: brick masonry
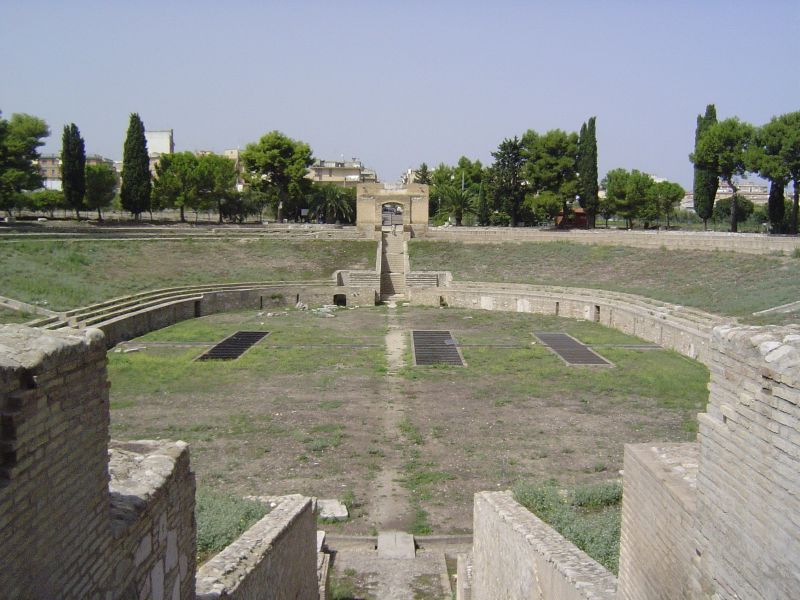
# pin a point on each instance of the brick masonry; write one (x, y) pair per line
(68, 527)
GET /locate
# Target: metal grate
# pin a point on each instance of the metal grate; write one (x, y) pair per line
(234, 346)
(436, 348)
(570, 349)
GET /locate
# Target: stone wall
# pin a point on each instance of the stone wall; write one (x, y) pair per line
(657, 546)
(750, 243)
(152, 520)
(64, 531)
(54, 495)
(133, 321)
(684, 330)
(748, 483)
(518, 556)
(275, 559)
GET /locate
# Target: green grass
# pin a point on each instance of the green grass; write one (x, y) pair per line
(14, 316)
(588, 515)
(725, 283)
(69, 274)
(221, 519)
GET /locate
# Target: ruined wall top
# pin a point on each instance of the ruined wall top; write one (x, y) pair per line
(777, 347)
(24, 347)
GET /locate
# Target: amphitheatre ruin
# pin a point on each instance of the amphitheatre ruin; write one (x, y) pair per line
(422, 379)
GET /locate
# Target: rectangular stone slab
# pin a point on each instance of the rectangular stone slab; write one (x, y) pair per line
(396, 544)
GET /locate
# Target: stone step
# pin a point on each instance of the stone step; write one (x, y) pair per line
(396, 545)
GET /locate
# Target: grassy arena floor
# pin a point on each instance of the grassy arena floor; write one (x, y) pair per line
(68, 274)
(304, 411)
(719, 282)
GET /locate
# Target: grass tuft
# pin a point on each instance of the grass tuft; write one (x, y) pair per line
(221, 519)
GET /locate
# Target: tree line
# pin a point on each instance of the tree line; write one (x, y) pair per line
(727, 149)
(273, 178)
(541, 178)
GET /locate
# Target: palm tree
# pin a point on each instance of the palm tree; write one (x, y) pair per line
(457, 202)
(332, 201)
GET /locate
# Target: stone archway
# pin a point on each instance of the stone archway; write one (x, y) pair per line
(410, 201)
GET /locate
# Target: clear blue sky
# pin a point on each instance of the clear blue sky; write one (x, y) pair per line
(398, 83)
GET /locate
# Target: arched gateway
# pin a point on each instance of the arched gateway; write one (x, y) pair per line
(385, 204)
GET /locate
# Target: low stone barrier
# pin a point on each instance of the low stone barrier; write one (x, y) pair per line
(749, 243)
(275, 559)
(517, 556)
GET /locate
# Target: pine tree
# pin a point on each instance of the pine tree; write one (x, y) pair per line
(135, 189)
(588, 189)
(73, 168)
(706, 181)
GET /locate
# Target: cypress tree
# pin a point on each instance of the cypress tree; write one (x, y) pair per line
(706, 181)
(73, 168)
(135, 189)
(776, 207)
(588, 189)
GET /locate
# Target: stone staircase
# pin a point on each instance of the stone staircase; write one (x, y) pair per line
(393, 265)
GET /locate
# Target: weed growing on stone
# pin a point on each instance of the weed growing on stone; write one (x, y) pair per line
(588, 515)
(221, 519)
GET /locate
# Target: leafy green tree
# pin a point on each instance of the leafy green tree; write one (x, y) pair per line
(135, 189)
(280, 164)
(468, 173)
(423, 175)
(484, 209)
(506, 179)
(20, 140)
(724, 147)
(176, 183)
(706, 181)
(458, 201)
(73, 168)
(46, 201)
(551, 164)
(776, 156)
(664, 196)
(544, 206)
(101, 187)
(588, 192)
(607, 208)
(722, 209)
(216, 181)
(616, 184)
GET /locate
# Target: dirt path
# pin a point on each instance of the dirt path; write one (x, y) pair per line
(387, 504)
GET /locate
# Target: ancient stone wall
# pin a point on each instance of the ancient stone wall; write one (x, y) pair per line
(517, 556)
(684, 330)
(54, 496)
(748, 485)
(750, 243)
(657, 546)
(64, 531)
(275, 559)
(152, 520)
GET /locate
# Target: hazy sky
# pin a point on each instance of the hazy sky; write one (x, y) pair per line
(398, 83)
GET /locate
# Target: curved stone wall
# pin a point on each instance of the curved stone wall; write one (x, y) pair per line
(678, 328)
